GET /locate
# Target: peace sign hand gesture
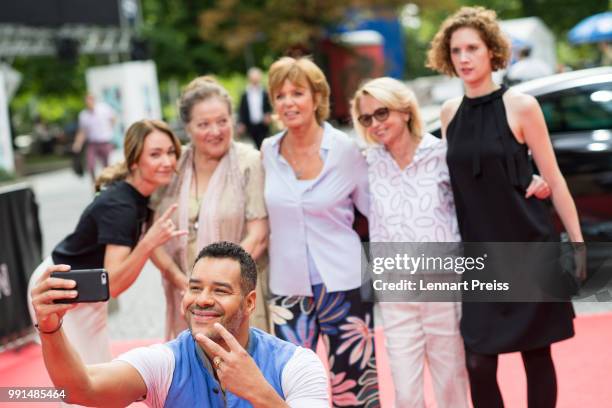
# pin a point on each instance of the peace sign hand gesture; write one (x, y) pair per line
(237, 371)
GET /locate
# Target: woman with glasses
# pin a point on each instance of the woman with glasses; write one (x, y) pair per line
(411, 201)
(315, 176)
(219, 190)
(491, 132)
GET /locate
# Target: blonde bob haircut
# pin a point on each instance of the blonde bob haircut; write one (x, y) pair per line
(303, 72)
(482, 20)
(394, 95)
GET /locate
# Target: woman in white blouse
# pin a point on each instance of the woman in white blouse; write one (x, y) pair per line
(315, 176)
(408, 166)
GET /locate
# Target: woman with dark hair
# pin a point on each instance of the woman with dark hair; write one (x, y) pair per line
(112, 232)
(490, 132)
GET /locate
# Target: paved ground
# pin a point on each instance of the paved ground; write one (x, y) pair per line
(62, 196)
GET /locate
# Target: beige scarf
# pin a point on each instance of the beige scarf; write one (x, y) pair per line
(222, 209)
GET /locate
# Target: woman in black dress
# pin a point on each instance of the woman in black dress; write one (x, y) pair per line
(490, 132)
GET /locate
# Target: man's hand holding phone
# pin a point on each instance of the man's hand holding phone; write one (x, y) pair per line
(44, 295)
(91, 285)
(59, 290)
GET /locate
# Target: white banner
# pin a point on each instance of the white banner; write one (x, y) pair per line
(130, 88)
(6, 147)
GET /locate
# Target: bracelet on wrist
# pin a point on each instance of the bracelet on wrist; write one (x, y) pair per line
(59, 326)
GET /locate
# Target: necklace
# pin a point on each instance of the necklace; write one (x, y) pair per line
(298, 168)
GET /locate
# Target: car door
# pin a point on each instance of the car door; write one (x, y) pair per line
(579, 121)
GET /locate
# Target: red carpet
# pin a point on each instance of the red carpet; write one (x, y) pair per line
(25, 367)
(584, 368)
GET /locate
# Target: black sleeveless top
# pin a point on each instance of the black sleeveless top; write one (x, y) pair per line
(490, 171)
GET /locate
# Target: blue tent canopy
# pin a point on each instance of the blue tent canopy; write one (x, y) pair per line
(592, 29)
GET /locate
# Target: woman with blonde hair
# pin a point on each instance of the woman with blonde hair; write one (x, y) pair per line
(490, 132)
(411, 201)
(315, 176)
(219, 191)
(112, 232)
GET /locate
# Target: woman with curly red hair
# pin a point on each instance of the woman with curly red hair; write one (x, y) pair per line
(490, 132)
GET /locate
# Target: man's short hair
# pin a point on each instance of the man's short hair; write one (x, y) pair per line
(229, 250)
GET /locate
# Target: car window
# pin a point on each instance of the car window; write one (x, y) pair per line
(587, 107)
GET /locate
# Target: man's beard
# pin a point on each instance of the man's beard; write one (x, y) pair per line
(231, 325)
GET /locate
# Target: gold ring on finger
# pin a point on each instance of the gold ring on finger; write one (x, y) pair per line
(217, 362)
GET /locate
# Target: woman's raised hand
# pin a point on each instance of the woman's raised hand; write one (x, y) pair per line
(163, 229)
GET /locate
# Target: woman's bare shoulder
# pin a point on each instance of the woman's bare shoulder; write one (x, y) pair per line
(448, 111)
(519, 103)
(449, 108)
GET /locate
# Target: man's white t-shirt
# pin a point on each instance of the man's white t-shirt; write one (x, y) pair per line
(304, 380)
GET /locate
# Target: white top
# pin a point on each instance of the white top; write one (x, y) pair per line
(316, 220)
(97, 124)
(314, 275)
(414, 204)
(255, 100)
(304, 380)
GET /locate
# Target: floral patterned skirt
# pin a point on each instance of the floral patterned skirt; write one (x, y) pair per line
(345, 325)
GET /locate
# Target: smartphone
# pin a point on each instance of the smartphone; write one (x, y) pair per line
(91, 285)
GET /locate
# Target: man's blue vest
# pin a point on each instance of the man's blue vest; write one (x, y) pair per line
(194, 386)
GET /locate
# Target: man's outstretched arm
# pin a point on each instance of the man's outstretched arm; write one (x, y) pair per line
(110, 384)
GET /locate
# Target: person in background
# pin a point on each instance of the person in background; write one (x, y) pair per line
(112, 232)
(219, 362)
(527, 67)
(254, 110)
(95, 132)
(491, 132)
(315, 176)
(219, 191)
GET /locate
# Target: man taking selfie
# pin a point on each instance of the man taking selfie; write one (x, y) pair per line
(218, 362)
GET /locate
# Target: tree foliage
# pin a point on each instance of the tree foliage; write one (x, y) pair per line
(171, 27)
(284, 25)
(558, 15)
(224, 37)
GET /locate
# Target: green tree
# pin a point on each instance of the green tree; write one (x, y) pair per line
(172, 29)
(284, 25)
(562, 15)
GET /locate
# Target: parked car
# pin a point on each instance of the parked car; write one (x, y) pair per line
(577, 107)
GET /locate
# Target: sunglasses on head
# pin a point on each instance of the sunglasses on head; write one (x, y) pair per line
(380, 114)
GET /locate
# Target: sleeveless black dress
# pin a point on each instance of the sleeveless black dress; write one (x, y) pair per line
(489, 172)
